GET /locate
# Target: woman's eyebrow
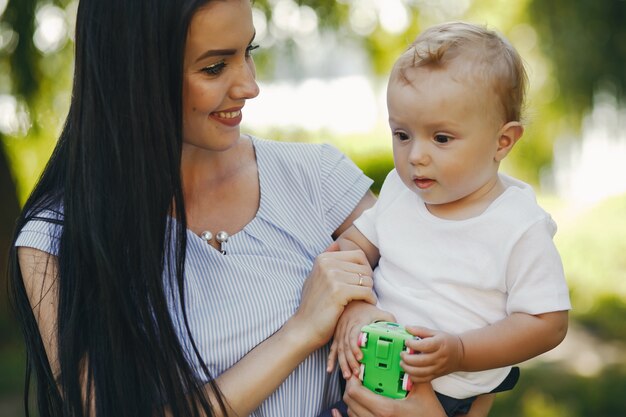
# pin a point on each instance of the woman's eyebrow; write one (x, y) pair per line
(221, 52)
(216, 52)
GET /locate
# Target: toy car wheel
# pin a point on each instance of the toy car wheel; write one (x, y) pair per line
(362, 339)
(362, 372)
(407, 384)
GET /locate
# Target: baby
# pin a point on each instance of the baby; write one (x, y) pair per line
(464, 256)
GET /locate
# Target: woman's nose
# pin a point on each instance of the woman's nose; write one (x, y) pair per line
(245, 86)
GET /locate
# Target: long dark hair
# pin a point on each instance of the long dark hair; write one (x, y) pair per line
(115, 175)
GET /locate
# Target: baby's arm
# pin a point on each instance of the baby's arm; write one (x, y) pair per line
(344, 348)
(354, 239)
(512, 340)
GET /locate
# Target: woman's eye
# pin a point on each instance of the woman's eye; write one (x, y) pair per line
(251, 48)
(442, 138)
(214, 69)
(401, 136)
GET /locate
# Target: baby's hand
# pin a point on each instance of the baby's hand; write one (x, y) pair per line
(345, 348)
(436, 354)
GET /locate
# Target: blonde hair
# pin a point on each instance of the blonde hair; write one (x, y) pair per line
(485, 53)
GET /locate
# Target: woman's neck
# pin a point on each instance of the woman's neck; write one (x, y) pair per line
(221, 189)
(202, 168)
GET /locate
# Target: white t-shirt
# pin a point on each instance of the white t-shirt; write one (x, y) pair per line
(459, 275)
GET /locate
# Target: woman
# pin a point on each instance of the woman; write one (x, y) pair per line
(130, 304)
(136, 151)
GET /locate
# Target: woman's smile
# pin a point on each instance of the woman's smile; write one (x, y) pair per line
(228, 117)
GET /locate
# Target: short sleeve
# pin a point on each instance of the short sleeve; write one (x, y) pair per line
(343, 186)
(42, 232)
(535, 278)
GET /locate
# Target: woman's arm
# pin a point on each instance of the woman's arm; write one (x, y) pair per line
(332, 284)
(39, 274)
(330, 287)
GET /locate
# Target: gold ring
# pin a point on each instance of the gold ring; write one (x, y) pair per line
(360, 279)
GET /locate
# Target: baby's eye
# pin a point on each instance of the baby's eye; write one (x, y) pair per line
(400, 135)
(214, 69)
(251, 48)
(442, 138)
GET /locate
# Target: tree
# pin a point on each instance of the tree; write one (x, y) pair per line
(586, 41)
(23, 81)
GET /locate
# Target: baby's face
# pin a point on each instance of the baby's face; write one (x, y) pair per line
(445, 130)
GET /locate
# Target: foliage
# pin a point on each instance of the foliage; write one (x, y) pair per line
(607, 318)
(376, 166)
(586, 41)
(580, 50)
(549, 390)
(40, 82)
(592, 245)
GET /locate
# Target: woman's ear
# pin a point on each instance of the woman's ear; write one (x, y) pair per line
(509, 134)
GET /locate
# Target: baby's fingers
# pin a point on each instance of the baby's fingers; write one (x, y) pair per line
(332, 357)
(352, 362)
(352, 345)
(418, 374)
(353, 339)
(346, 370)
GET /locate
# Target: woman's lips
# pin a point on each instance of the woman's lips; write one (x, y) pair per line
(227, 117)
(423, 183)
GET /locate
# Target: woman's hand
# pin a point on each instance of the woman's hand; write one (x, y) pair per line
(345, 348)
(336, 279)
(420, 402)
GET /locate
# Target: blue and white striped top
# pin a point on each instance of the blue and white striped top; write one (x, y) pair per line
(237, 300)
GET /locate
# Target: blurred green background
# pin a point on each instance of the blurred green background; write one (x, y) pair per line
(322, 69)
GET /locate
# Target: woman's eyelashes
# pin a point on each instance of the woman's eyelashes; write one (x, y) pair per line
(251, 48)
(214, 69)
(218, 67)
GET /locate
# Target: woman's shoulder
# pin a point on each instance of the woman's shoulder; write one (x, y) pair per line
(290, 152)
(42, 227)
(298, 158)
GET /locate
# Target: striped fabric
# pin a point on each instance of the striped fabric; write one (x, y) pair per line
(237, 300)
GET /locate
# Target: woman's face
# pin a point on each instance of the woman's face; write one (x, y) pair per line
(218, 73)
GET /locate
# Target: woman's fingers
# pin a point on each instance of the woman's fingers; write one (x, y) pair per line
(336, 279)
(348, 274)
(421, 402)
(360, 400)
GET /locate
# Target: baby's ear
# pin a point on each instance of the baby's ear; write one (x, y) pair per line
(508, 136)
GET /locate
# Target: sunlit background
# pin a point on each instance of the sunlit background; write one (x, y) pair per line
(322, 69)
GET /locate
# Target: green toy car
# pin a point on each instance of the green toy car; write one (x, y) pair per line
(381, 344)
